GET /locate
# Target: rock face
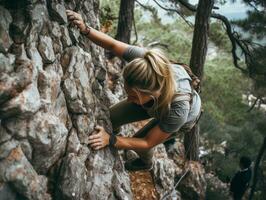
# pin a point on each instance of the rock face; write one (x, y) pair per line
(53, 92)
(54, 89)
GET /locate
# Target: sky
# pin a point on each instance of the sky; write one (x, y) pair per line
(235, 10)
(231, 10)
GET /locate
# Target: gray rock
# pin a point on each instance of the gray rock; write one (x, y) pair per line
(49, 84)
(14, 83)
(16, 170)
(26, 148)
(194, 184)
(58, 12)
(56, 36)
(101, 74)
(39, 17)
(121, 187)
(4, 135)
(24, 105)
(85, 126)
(65, 38)
(19, 26)
(7, 193)
(49, 107)
(45, 48)
(59, 108)
(6, 148)
(72, 181)
(105, 175)
(7, 63)
(48, 137)
(5, 40)
(75, 104)
(164, 173)
(74, 34)
(73, 144)
(35, 56)
(76, 85)
(16, 127)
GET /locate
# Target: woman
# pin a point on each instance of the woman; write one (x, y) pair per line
(156, 89)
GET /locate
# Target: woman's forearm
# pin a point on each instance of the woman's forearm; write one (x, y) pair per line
(100, 138)
(101, 39)
(107, 42)
(132, 143)
(95, 36)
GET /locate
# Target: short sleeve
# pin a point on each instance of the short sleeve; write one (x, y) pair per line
(176, 117)
(133, 52)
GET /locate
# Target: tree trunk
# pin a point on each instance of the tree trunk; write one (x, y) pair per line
(256, 168)
(125, 21)
(191, 143)
(198, 56)
(53, 91)
(200, 37)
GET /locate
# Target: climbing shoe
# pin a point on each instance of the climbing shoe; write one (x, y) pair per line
(137, 164)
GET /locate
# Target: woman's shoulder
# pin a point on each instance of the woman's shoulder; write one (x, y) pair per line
(180, 72)
(133, 52)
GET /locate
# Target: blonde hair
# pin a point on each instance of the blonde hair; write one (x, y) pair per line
(151, 74)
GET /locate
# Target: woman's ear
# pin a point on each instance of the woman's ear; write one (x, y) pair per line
(157, 93)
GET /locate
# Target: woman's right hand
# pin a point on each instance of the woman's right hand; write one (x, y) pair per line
(76, 19)
(99, 38)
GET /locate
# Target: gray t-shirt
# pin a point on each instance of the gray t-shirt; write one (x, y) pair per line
(181, 113)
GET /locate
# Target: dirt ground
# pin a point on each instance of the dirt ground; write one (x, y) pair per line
(142, 186)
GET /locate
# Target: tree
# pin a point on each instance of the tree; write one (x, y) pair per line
(197, 60)
(125, 21)
(255, 25)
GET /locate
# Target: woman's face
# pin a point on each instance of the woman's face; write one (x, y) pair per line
(139, 98)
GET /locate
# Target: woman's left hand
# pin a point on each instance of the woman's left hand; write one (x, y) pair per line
(99, 138)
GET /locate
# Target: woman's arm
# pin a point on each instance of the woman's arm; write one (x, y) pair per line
(155, 136)
(99, 38)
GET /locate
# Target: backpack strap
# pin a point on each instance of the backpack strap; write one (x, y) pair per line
(184, 97)
(195, 81)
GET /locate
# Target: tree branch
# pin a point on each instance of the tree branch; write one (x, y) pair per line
(176, 11)
(234, 40)
(135, 30)
(149, 8)
(253, 105)
(232, 35)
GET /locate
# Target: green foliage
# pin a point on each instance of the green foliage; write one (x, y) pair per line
(109, 11)
(218, 36)
(214, 193)
(226, 117)
(255, 27)
(223, 85)
(177, 36)
(255, 23)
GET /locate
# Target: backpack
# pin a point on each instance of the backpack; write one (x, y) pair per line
(195, 81)
(194, 84)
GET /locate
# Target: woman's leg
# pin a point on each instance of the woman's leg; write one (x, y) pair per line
(126, 112)
(146, 155)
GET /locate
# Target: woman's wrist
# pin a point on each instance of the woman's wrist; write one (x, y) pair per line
(86, 31)
(112, 140)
